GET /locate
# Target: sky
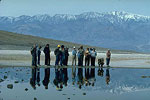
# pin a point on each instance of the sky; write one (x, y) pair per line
(52, 7)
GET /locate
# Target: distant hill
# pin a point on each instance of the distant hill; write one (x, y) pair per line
(116, 30)
(9, 40)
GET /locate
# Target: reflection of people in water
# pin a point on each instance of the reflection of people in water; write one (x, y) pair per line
(65, 76)
(35, 77)
(46, 78)
(80, 77)
(73, 75)
(87, 76)
(100, 72)
(107, 76)
(92, 76)
(58, 81)
(38, 76)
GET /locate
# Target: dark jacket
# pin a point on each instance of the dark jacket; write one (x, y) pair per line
(46, 51)
(57, 52)
(33, 51)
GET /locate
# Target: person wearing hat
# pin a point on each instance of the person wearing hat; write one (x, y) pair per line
(57, 53)
(74, 53)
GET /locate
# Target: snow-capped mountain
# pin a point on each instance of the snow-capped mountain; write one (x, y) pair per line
(117, 30)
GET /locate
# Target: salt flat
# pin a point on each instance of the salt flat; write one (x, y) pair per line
(23, 58)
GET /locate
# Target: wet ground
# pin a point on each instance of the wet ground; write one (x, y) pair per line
(19, 83)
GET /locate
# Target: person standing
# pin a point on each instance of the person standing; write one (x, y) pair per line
(74, 52)
(87, 57)
(93, 57)
(39, 54)
(66, 56)
(34, 55)
(62, 55)
(47, 55)
(108, 56)
(80, 56)
(57, 53)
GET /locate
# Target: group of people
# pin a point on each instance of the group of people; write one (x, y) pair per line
(80, 77)
(36, 53)
(62, 55)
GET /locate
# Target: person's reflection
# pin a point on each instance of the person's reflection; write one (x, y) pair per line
(38, 77)
(80, 77)
(100, 72)
(35, 77)
(92, 76)
(107, 76)
(58, 81)
(65, 76)
(46, 78)
(87, 76)
(73, 75)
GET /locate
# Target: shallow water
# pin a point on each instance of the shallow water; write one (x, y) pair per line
(75, 84)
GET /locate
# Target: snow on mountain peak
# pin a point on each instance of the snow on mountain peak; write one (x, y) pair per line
(114, 16)
(125, 15)
(65, 16)
(88, 15)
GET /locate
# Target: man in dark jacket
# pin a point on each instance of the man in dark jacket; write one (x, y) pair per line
(34, 55)
(39, 54)
(57, 53)
(47, 55)
(66, 56)
(62, 55)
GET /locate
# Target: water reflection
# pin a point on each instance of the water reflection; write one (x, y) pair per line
(88, 79)
(81, 77)
(46, 78)
(73, 76)
(80, 80)
(107, 76)
(100, 72)
(61, 78)
(35, 77)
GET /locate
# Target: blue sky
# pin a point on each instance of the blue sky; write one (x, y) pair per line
(52, 7)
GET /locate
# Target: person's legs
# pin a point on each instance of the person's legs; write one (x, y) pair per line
(57, 60)
(94, 61)
(91, 61)
(107, 61)
(79, 61)
(88, 61)
(32, 60)
(66, 61)
(48, 60)
(73, 60)
(38, 59)
(61, 61)
(85, 61)
(82, 60)
(45, 59)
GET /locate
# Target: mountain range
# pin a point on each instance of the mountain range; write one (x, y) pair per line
(115, 30)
